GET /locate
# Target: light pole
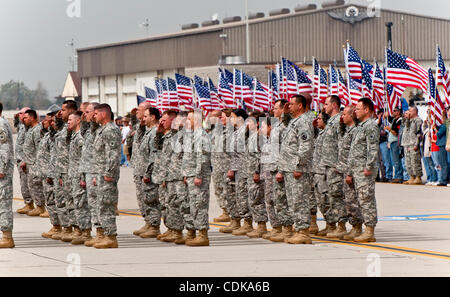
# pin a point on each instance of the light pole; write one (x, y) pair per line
(247, 33)
(145, 25)
(72, 57)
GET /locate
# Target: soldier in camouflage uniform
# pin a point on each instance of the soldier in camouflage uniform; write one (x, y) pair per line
(255, 183)
(43, 159)
(334, 179)
(411, 144)
(197, 176)
(60, 162)
(162, 142)
(148, 151)
(237, 170)
(351, 202)
(29, 163)
(295, 157)
(107, 147)
(363, 166)
(82, 229)
(6, 182)
(139, 166)
(219, 163)
(21, 131)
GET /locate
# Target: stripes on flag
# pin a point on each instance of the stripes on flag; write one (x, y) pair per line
(435, 102)
(442, 76)
(185, 91)
(343, 90)
(151, 96)
(353, 64)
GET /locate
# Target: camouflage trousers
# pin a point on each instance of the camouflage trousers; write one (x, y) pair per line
(24, 186)
(220, 184)
(256, 202)
(35, 187)
(321, 194)
(311, 196)
(198, 197)
(6, 200)
(140, 193)
(365, 192)
(281, 203)
(270, 197)
(92, 199)
(64, 201)
(242, 195)
(352, 205)
(337, 212)
(163, 194)
(298, 201)
(230, 199)
(176, 195)
(108, 197)
(50, 203)
(151, 205)
(80, 201)
(413, 161)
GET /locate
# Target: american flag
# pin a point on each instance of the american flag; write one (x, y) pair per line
(198, 80)
(442, 76)
(378, 87)
(334, 81)
(225, 92)
(323, 86)
(262, 96)
(173, 95)
(159, 91)
(151, 96)
(204, 98)
(237, 83)
(394, 95)
(165, 105)
(353, 64)
(247, 92)
(437, 107)
(304, 82)
(282, 83)
(343, 90)
(290, 77)
(404, 71)
(140, 99)
(274, 86)
(185, 91)
(216, 103)
(354, 90)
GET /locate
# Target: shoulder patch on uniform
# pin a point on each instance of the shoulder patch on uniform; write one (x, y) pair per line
(304, 135)
(3, 136)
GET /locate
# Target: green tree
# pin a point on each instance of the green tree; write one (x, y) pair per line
(15, 95)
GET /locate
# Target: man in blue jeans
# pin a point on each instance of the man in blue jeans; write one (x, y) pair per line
(441, 132)
(386, 160)
(393, 145)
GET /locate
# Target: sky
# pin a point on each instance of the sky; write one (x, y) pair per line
(35, 34)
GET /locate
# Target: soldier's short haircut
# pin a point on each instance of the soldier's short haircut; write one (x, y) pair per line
(335, 99)
(105, 107)
(51, 113)
(170, 113)
(155, 112)
(227, 111)
(32, 113)
(257, 115)
(300, 99)
(94, 104)
(84, 104)
(183, 113)
(71, 104)
(78, 113)
(240, 113)
(282, 102)
(367, 103)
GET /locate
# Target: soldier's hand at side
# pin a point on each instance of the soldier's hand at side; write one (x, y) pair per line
(164, 184)
(297, 174)
(185, 180)
(279, 177)
(416, 148)
(50, 181)
(82, 184)
(367, 172)
(198, 181)
(2, 175)
(146, 180)
(107, 178)
(60, 182)
(349, 180)
(256, 178)
(23, 166)
(94, 182)
(230, 174)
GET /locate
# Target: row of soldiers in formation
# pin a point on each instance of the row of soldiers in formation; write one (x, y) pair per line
(278, 169)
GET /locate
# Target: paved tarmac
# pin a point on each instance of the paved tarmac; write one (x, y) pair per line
(413, 239)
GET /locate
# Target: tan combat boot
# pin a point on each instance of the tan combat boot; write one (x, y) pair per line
(36, 212)
(54, 230)
(84, 236)
(410, 181)
(67, 234)
(313, 228)
(244, 229)
(44, 214)
(286, 233)
(167, 233)
(339, 232)
(28, 207)
(418, 180)
(189, 236)
(367, 236)
(109, 241)
(273, 232)
(100, 234)
(356, 231)
(176, 234)
(328, 228)
(224, 217)
(200, 240)
(259, 231)
(234, 225)
(300, 237)
(141, 230)
(7, 240)
(152, 232)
